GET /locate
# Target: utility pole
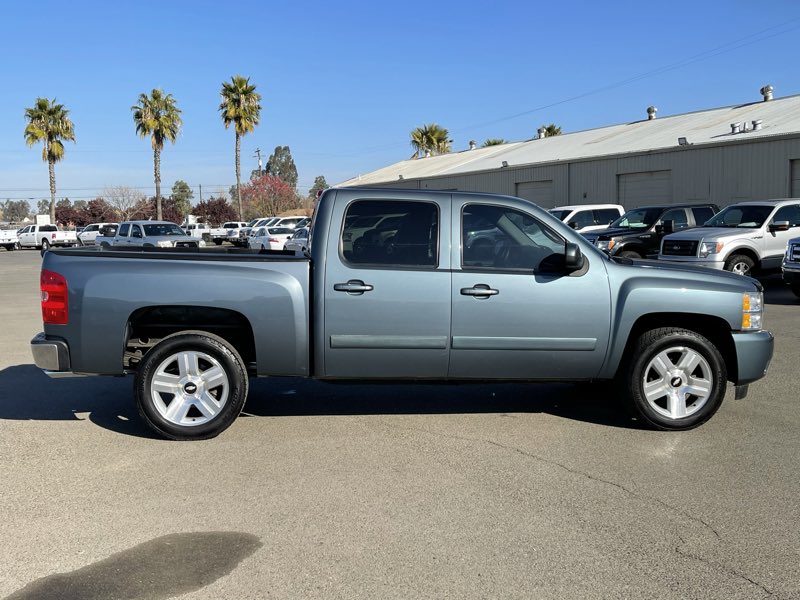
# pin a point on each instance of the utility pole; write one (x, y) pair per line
(258, 155)
(200, 185)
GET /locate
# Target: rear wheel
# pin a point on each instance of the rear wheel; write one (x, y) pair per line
(740, 264)
(218, 242)
(675, 380)
(191, 386)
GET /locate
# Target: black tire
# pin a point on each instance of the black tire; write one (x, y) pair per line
(45, 245)
(796, 289)
(218, 242)
(630, 254)
(741, 264)
(689, 362)
(214, 361)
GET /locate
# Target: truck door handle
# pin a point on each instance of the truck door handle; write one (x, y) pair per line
(480, 290)
(354, 286)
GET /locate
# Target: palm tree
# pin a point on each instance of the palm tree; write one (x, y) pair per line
(49, 123)
(158, 116)
(431, 139)
(241, 107)
(551, 130)
(493, 142)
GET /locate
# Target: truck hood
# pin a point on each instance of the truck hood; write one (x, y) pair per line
(608, 233)
(687, 273)
(716, 233)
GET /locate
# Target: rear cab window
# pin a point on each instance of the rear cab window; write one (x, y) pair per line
(385, 233)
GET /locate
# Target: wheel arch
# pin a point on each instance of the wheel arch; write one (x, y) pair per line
(149, 325)
(714, 328)
(745, 251)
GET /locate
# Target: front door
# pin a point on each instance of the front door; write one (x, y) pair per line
(775, 241)
(516, 313)
(387, 290)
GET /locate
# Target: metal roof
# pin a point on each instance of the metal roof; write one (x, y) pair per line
(780, 116)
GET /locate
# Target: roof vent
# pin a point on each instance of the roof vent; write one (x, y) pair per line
(651, 112)
(736, 128)
(472, 145)
(542, 132)
(766, 91)
(757, 125)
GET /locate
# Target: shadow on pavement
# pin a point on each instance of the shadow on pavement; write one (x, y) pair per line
(777, 292)
(28, 394)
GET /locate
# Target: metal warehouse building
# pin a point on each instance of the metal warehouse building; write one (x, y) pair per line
(723, 155)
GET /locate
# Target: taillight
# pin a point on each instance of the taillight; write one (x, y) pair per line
(54, 298)
(273, 241)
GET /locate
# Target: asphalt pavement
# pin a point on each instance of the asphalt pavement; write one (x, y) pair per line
(393, 491)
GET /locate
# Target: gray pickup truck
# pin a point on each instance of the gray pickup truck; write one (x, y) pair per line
(462, 287)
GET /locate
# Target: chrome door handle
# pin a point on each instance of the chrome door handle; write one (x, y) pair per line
(354, 286)
(480, 290)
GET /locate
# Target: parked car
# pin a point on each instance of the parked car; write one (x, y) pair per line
(9, 239)
(45, 236)
(745, 238)
(246, 232)
(153, 234)
(269, 238)
(791, 265)
(220, 234)
(88, 236)
(234, 229)
(588, 217)
(106, 234)
(422, 308)
(298, 242)
(638, 233)
(199, 231)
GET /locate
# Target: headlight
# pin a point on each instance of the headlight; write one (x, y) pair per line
(707, 248)
(752, 311)
(607, 245)
(164, 244)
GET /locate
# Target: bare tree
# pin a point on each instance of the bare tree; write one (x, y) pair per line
(124, 200)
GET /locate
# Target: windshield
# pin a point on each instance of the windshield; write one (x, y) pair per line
(280, 230)
(560, 214)
(638, 218)
(747, 215)
(159, 229)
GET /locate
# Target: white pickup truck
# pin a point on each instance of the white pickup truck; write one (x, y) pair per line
(44, 236)
(9, 239)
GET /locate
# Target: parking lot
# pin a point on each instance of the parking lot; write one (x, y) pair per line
(393, 491)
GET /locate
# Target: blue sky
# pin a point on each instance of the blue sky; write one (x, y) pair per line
(343, 83)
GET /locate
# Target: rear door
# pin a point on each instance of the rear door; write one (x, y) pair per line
(515, 314)
(387, 291)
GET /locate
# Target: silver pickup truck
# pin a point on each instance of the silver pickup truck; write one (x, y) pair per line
(463, 287)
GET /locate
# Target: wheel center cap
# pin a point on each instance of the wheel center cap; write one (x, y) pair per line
(190, 388)
(676, 382)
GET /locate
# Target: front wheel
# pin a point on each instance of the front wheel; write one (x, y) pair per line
(191, 386)
(740, 264)
(675, 380)
(630, 254)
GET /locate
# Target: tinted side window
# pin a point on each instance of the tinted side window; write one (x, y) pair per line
(48, 228)
(136, 231)
(380, 232)
(678, 218)
(123, 230)
(582, 218)
(702, 214)
(604, 216)
(788, 213)
(500, 238)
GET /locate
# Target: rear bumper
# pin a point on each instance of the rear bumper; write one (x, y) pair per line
(52, 355)
(753, 355)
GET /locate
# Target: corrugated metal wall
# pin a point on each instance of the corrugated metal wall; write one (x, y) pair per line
(722, 174)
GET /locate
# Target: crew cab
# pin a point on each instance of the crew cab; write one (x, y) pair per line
(153, 234)
(423, 303)
(745, 238)
(588, 217)
(88, 235)
(45, 236)
(638, 233)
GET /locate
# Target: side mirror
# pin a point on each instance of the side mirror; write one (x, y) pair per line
(668, 226)
(573, 257)
(779, 226)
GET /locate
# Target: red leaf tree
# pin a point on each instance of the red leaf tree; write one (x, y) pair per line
(267, 196)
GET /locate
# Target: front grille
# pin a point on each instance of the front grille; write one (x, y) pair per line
(679, 248)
